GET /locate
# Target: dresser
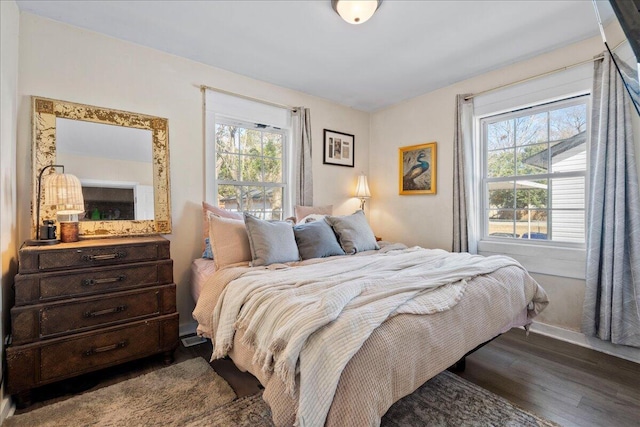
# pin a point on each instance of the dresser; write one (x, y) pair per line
(84, 306)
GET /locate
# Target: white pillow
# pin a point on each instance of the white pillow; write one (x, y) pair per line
(311, 218)
(304, 211)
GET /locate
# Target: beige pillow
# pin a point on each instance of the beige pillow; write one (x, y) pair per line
(304, 211)
(206, 208)
(229, 241)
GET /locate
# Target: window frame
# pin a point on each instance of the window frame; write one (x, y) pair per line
(284, 184)
(482, 124)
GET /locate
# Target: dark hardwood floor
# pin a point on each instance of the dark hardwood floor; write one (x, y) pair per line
(570, 385)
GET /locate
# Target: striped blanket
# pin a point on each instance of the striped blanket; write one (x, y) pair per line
(311, 319)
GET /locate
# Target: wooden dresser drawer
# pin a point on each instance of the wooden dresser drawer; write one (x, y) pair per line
(35, 364)
(43, 287)
(42, 321)
(91, 253)
(87, 305)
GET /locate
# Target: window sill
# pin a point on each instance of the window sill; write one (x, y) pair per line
(539, 258)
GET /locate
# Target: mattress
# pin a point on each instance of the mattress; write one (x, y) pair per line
(403, 352)
(201, 270)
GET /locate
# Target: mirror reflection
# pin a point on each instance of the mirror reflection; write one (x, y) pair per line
(114, 165)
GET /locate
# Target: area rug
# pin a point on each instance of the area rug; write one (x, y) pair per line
(445, 400)
(190, 394)
(166, 397)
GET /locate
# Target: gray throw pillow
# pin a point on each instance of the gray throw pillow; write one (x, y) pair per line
(316, 240)
(270, 241)
(354, 232)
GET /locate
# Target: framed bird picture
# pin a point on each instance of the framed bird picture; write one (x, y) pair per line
(417, 169)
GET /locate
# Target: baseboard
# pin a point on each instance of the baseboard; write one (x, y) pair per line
(624, 352)
(7, 408)
(187, 328)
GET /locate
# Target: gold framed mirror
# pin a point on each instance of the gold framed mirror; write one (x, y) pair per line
(119, 157)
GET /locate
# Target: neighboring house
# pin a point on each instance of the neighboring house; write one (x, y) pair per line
(567, 155)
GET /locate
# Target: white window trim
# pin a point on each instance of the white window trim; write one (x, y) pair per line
(213, 183)
(557, 175)
(562, 259)
(239, 109)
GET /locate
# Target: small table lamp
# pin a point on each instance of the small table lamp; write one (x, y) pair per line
(64, 193)
(362, 190)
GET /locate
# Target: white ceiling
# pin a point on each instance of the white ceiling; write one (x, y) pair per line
(407, 49)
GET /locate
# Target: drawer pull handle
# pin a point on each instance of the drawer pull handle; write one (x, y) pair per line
(115, 255)
(106, 348)
(118, 309)
(91, 282)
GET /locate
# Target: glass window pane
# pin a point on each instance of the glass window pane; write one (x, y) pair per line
(570, 154)
(531, 129)
(225, 138)
(531, 194)
(227, 166)
(501, 223)
(272, 169)
(532, 159)
(500, 135)
(253, 200)
(568, 193)
(273, 203)
(531, 224)
(568, 226)
(272, 145)
(501, 195)
(251, 167)
(501, 163)
(251, 142)
(521, 145)
(249, 155)
(229, 197)
(567, 122)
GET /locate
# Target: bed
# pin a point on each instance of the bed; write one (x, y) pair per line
(403, 315)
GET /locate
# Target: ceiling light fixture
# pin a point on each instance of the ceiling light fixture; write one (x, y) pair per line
(355, 11)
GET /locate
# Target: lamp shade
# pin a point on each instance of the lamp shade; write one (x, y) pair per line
(362, 189)
(64, 192)
(356, 11)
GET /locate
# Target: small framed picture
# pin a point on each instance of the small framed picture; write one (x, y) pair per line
(338, 148)
(418, 169)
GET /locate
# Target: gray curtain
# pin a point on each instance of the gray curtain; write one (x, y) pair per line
(303, 190)
(461, 174)
(612, 299)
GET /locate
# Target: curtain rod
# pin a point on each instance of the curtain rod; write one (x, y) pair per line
(557, 70)
(249, 98)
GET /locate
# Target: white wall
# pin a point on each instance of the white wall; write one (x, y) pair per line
(85, 167)
(427, 220)
(9, 32)
(63, 62)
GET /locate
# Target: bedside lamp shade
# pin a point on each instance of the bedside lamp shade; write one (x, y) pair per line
(362, 190)
(64, 192)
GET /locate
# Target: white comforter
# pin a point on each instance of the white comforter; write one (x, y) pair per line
(316, 317)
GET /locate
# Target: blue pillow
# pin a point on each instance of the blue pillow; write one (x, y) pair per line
(270, 241)
(354, 232)
(316, 240)
(208, 253)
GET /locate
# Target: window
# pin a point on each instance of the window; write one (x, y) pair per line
(534, 174)
(250, 168)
